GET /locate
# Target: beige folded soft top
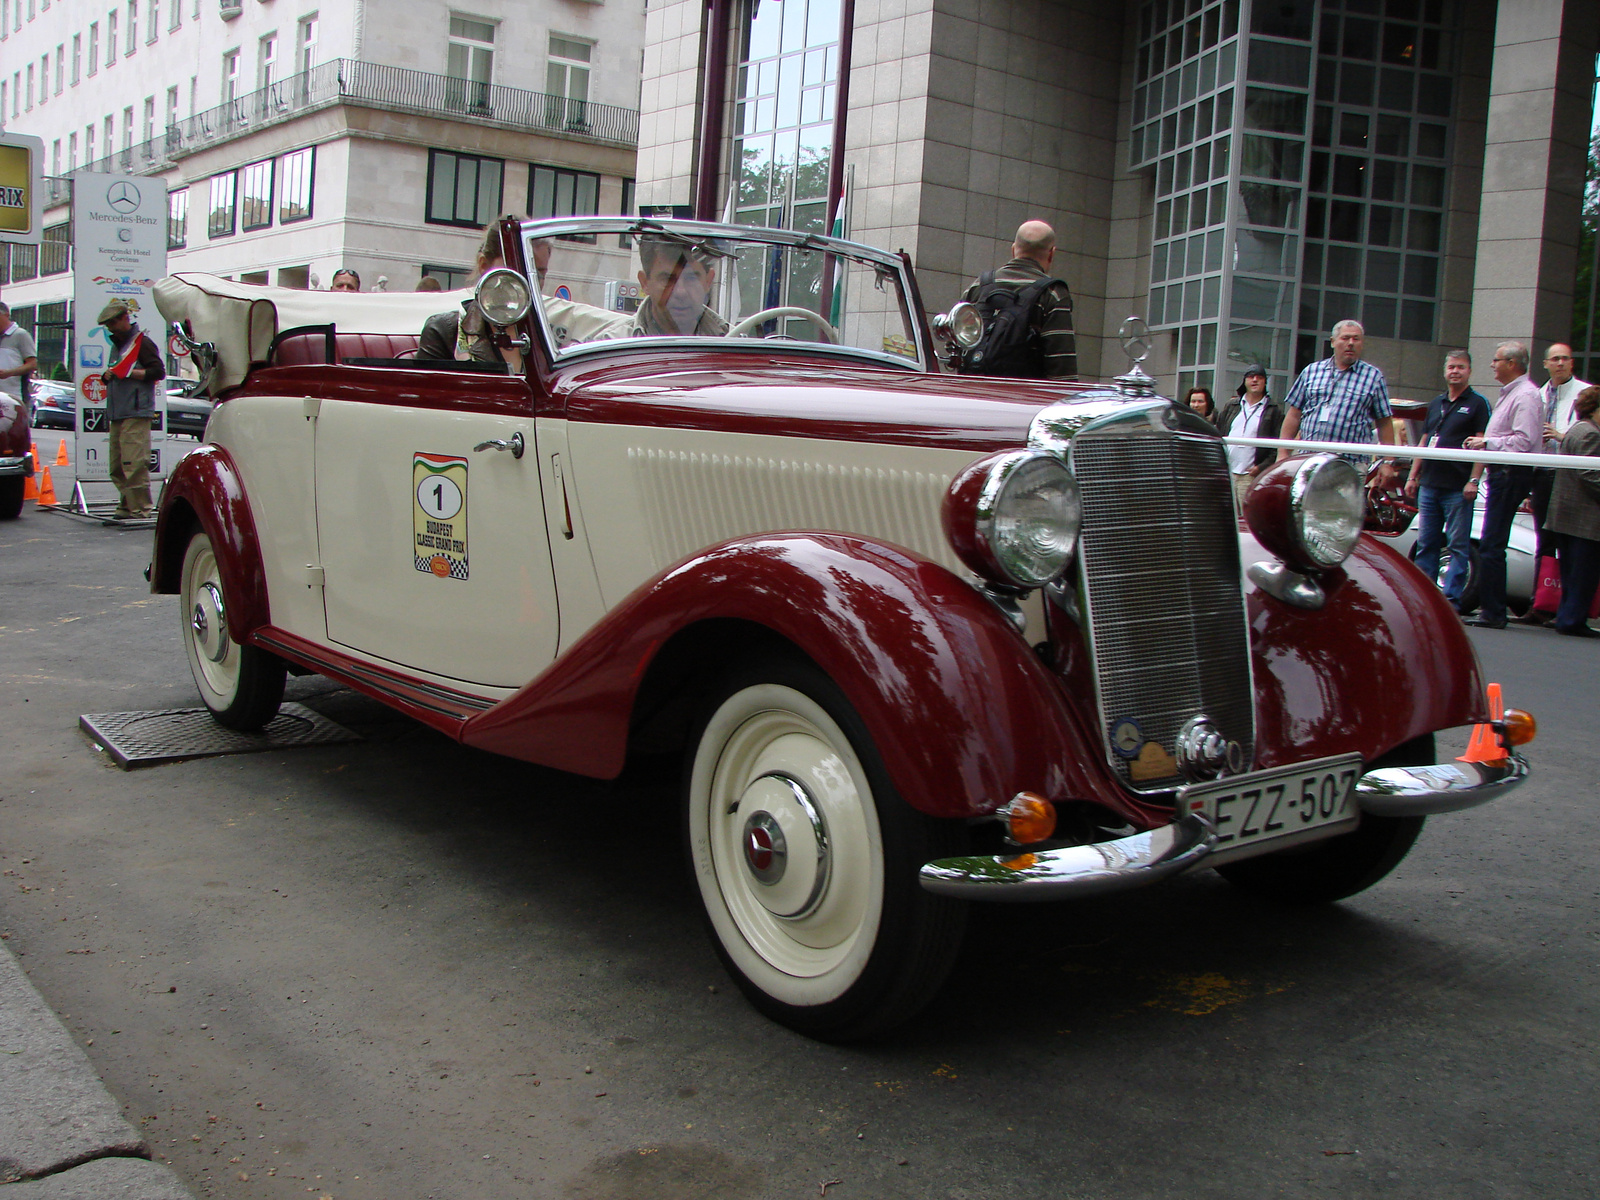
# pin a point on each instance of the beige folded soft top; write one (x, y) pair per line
(241, 319)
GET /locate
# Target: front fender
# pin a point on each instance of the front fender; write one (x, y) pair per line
(1384, 661)
(961, 710)
(205, 488)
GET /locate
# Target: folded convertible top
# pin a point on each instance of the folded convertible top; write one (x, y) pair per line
(241, 319)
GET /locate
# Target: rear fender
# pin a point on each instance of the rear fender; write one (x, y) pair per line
(961, 710)
(205, 491)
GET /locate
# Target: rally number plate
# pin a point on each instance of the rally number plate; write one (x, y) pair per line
(1287, 804)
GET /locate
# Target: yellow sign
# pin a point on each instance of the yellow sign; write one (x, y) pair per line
(16, 189)
(439, 514)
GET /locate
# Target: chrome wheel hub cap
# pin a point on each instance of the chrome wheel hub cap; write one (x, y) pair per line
(208, 623)
(785, 845)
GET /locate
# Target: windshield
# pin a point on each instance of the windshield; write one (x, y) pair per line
(683, 283)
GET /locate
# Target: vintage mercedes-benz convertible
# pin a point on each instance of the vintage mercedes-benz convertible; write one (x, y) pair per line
(920, 638)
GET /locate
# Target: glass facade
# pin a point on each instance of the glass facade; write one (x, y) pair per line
(1299, 152)
(785, 97)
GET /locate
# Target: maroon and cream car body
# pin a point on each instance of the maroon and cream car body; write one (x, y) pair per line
(919, 638)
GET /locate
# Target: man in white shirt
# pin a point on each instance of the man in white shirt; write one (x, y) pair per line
(1557, 396)
(18, 357)
(1252, 413)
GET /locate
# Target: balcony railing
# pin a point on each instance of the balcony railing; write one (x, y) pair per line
(348, 81)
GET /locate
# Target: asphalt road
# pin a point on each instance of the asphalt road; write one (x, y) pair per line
(400, 968)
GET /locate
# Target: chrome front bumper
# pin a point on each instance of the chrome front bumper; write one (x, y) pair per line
(1147, 857)
(15, 464)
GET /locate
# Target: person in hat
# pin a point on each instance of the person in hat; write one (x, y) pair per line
(130, 407)
(1251, 413)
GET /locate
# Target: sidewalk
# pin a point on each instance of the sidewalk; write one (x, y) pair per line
(62, 1136)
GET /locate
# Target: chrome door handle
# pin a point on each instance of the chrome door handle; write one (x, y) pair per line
(515, 444)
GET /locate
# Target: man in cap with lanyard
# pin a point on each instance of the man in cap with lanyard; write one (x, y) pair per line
(130, 407)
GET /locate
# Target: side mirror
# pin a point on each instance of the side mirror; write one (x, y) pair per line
(503, 296)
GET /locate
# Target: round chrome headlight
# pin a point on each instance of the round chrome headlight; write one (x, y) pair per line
(1014, 517)
(1327, 507)
(965, 325)
(503, 296)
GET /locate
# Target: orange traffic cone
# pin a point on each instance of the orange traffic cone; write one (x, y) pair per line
(1484, 746)
(61, 455)
(30, 487)
(47, 489)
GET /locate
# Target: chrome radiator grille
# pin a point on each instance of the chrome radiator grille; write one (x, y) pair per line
(1163, 598)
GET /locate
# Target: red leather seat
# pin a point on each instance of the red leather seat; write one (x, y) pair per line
(301, 349)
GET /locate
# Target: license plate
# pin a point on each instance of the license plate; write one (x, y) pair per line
(1287, 804)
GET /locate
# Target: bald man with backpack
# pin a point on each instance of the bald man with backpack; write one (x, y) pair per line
(1027, 314)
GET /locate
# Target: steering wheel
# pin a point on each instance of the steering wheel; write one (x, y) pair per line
(828, 332)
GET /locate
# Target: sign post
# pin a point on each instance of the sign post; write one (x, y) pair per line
(119, 234)
(21, 196)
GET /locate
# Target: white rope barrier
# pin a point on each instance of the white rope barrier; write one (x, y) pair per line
(1379, 450)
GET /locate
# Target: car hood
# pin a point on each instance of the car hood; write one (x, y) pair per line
(803, 398)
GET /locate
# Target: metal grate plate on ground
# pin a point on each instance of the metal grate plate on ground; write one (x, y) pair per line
(143, 739)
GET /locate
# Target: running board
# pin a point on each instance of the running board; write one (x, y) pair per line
(445, 709)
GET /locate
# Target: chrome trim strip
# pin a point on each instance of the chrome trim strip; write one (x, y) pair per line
(14, 466)
(1441, 788)
(1099, 867)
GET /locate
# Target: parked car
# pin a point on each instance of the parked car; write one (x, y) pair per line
(55, 405)
(16, 464)
(1522, 558)
(187, 413)
(920, 639)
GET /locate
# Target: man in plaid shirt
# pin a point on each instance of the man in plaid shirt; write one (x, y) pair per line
(1342, 399)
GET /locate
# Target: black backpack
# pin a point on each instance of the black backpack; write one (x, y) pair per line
(1010, 344)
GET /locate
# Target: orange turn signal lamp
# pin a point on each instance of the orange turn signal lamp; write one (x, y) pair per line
(1029, 818)
(1517, 728)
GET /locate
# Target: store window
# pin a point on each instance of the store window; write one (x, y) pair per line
(463, 189)
(255, 195)
(296, 173)
(178, 219)
(220, 213)
(558, 192)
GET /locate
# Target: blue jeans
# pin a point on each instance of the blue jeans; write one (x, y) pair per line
(1508, 488)
(1444, 518)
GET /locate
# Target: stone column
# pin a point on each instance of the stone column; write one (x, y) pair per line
(1534, 153)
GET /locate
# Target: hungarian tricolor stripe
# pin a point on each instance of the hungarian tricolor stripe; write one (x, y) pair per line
(130, 359)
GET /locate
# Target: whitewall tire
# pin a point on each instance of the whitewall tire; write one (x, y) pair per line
(241, 685)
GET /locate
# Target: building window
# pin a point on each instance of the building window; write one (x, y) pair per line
(28, 103)
(305, 56)
(24, 266)
(219, 217)
(230, 76)
(110, 132)
(626, 209)
(463, 189)
(567, 82)
(558, 192)
(61, 69)
(175, 21)
(470, 62)
(44, 79)
(77, 58)
(55, 158)
(133, 29)
(295, 176)
(450, 278)
(94, 47)
(785, 97)
(172, 107)
(153, 29)
(178, 219)
(88, 143)
(255, 196)
(1376, 195)
(127, 129)
(72, 151)
(55, 251)
(111, 38)
(267, 61)
(149, 118)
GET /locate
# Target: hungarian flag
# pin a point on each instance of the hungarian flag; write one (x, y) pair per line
(124, 366)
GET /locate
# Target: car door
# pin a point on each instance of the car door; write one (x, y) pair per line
(430, 527)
